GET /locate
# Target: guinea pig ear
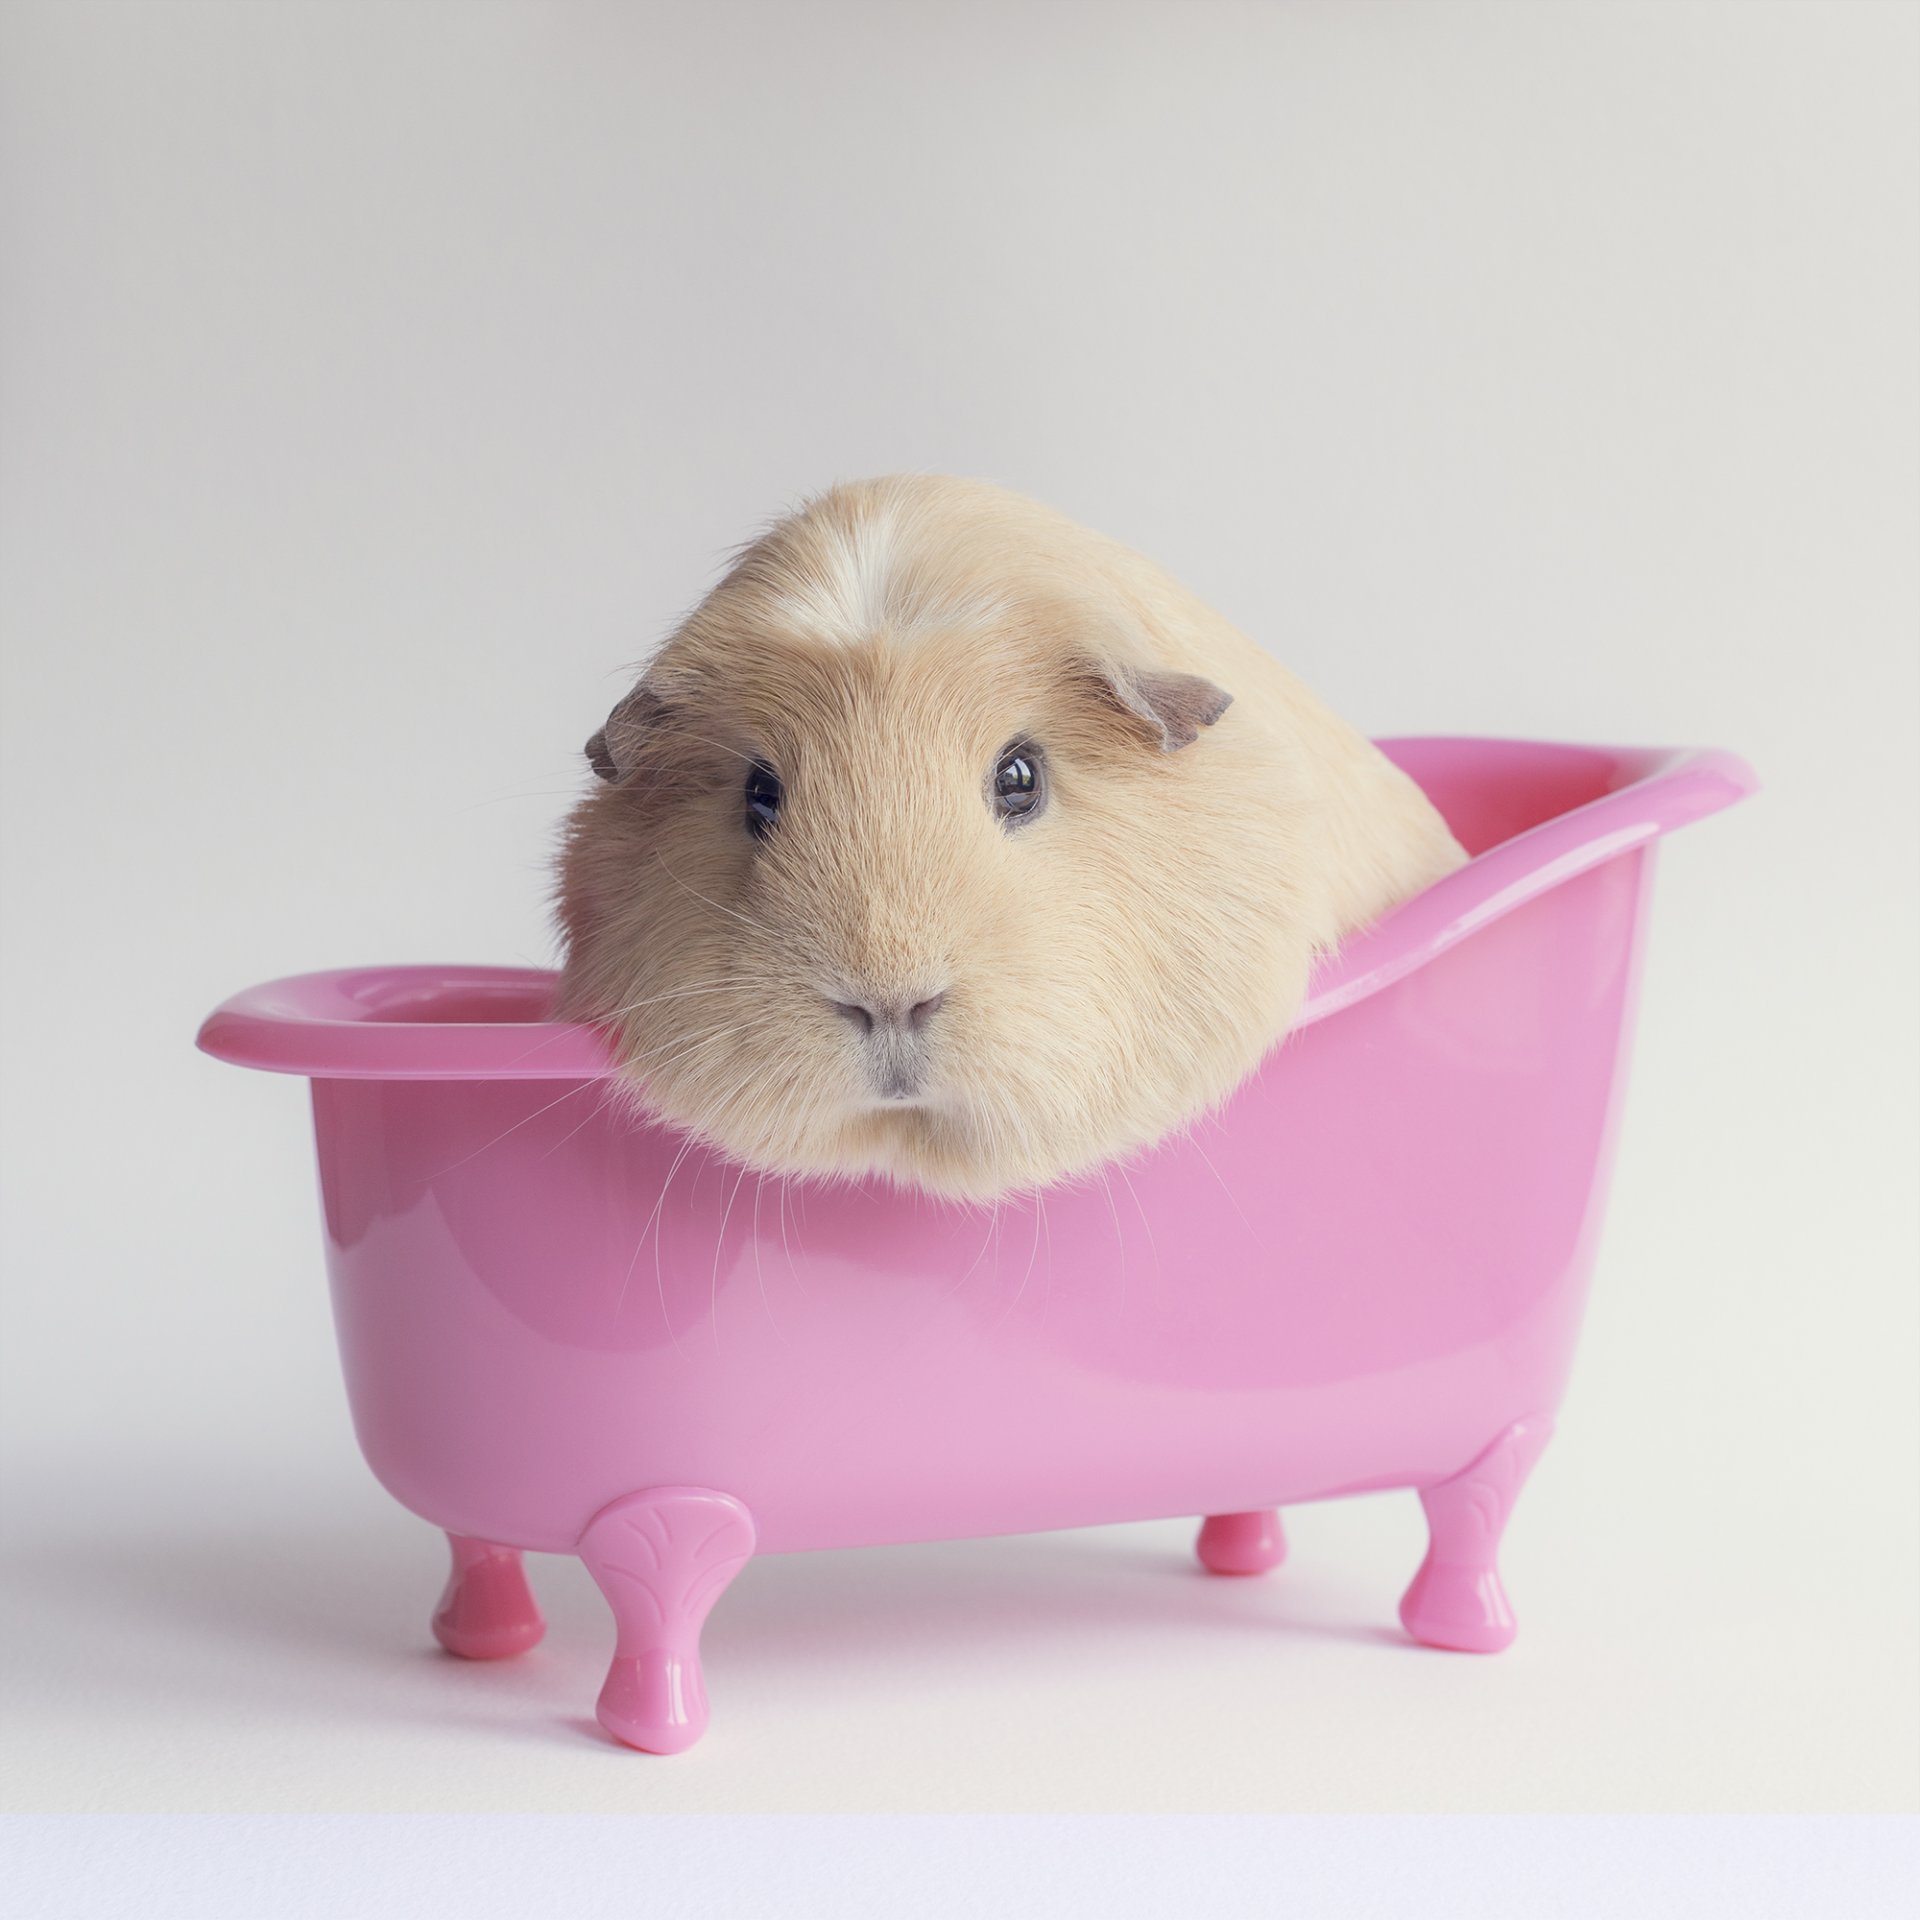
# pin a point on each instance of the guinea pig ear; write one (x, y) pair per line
(1175, 706)
(614, 750)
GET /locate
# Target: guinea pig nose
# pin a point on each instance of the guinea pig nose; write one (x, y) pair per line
(868, 1015)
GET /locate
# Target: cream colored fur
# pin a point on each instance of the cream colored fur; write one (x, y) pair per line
(1111, 967)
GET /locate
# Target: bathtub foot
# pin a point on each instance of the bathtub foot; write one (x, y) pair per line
(487, 1611)
(1241, 1542)
(1456, 1599)
(662, 1558)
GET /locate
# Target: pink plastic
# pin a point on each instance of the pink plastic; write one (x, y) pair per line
(1241, 1542)
(566, 1333)
(662, 1558)
(487, 1610)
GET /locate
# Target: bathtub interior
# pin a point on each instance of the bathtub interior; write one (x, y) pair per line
(475, 997)
(1491, 791)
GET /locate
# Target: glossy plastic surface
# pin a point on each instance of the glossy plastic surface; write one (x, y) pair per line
(1241, 1542)
(1365, 1271)
(662, 1557)
(487, 1610)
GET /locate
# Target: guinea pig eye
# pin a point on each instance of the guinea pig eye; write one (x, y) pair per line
(1018, 788)
(763, 799)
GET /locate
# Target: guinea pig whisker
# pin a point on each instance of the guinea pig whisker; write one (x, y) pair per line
(726, 1024)
(987, 1128)
(676, 1049)
(766, 1070)
(659, 1279)
(670, 993)
(562, 1028)
(1033, 1254)
(686, 986)
(676, 1045)
(719, 1247)
(786, 1245)
(681, 1047)
(1232, 1198)
(655, 1224)
(759, 1270)
(681, 993)
(719, 746)
(695, 894)
(646, 1068)
(526, 1119)
(1119, 1238)
(973, 1265)
(1152, 1243)
(594, 1112)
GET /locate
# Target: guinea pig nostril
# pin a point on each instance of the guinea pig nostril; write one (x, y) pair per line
(862, 1017)
(919, 1014)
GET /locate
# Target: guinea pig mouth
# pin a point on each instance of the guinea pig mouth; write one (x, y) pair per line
(896, 1081)
(895, 1070)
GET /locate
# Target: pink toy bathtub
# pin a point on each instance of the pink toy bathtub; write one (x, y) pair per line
(567, 1333)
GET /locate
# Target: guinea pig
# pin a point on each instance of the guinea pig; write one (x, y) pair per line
(950, 842)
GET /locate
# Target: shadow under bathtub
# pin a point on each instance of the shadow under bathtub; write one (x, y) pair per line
(321, 1608)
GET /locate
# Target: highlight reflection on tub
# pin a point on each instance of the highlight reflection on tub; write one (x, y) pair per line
(568, 1333)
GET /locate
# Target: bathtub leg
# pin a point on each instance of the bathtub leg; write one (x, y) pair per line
(662, 1558)
(1456, 1599)
(487, 1611)
(1241, 1542)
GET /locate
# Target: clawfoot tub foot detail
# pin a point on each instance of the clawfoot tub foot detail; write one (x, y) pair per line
(487, 1611)
(662, 1558)
(1241, 1542)
(1456, 1599)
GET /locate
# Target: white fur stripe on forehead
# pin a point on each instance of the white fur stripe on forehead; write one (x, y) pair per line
(843, 584)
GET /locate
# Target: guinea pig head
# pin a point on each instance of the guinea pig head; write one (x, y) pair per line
(916, 896)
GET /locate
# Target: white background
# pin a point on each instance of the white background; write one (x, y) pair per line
(380, 380)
